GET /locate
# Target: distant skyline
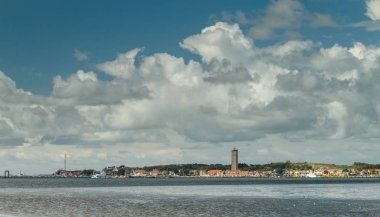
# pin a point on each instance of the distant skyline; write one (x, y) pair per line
(158, 82)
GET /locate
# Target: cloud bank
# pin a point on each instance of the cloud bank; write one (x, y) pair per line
(295, 100)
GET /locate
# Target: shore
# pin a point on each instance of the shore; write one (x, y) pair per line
(190, 177)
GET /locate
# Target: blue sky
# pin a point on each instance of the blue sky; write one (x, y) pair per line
(38, 39)
(160, 82)
(44, 34)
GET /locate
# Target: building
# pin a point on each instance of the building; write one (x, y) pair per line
(218, 173)
(155, 173)
(139, 173)
(234, 159)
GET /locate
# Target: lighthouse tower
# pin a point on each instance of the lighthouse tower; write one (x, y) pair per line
(234, 159)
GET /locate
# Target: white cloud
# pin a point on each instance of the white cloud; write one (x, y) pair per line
(369, 55)
(80, 55)
(85, 88)
(289, 48)
(220, 41)
(7, 86)
(373, 9)
(123, 66)
(337, 111)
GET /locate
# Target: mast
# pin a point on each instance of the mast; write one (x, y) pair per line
(65, 162)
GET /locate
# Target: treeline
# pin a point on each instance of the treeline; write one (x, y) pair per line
(360, 165)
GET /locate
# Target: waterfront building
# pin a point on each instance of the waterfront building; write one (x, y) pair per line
(233, 173)
(140, 173)
(202, 173)
(234, 159)
(217, 173)
(155, 173)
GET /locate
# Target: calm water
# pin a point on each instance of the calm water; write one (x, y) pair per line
(189, 197)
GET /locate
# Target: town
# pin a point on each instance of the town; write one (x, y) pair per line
(273, 170)
(285, 169)
(291, 170)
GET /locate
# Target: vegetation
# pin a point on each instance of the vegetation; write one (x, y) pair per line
(88, 172)
(359, 165)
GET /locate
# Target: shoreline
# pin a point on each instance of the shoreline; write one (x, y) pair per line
(191, 177)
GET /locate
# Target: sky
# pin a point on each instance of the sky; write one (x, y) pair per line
(161, 82)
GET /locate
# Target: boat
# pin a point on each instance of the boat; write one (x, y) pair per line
(311, 175)
(101, 176)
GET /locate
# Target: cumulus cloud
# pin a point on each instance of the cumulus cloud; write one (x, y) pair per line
(224, 72)
(123, 66)
(166, 109)
(220, 41)
(85, 88)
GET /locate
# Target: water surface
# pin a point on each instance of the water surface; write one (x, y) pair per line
(189, 197)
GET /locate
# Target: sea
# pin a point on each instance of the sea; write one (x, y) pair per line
(189, 197)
